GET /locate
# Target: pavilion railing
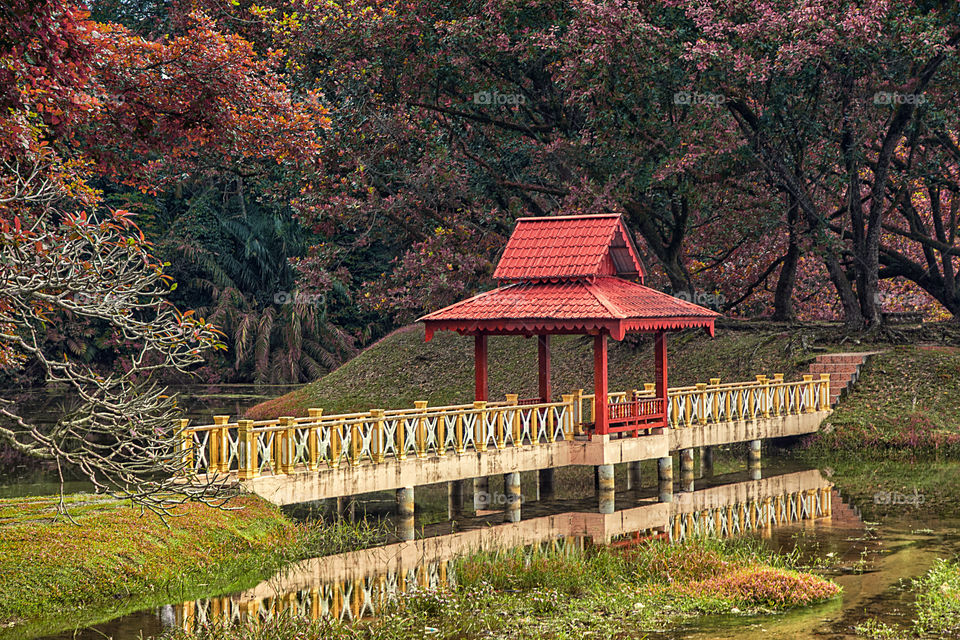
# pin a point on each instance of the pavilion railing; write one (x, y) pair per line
(317, 441)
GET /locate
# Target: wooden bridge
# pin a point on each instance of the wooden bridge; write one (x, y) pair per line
(299, 459)
(353, 585)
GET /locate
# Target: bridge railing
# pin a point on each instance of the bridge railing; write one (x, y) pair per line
(722, 402)
(289, 444)
(316, 441)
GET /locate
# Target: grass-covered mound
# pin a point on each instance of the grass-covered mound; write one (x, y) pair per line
(115, 560)
(403, 368)
(597, 592)
(904, 405)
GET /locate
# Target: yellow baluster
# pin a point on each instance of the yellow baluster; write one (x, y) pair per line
(376, 439)
(480, 427)
(249, 466)
(186, 448)
(421, 406)
(287, 444)
(312, 442)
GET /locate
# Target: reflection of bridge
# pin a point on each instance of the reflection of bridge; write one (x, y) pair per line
(290, 460)
(353, 585)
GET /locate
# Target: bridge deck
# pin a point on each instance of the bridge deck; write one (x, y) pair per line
(292, 460)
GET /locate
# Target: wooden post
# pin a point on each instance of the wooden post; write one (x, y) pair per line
(600, 400)
(186, 446)
(778, 382)
(421, 406)
(287, 444)
(336, 442)
(702, 402)
(660, 369)
(513, 400)
(249, 466)
(577, 416)
(543, 362)
(480, 367)
(376, 440)
(313, 445)
(568, 429)
(480, 428)
(219, 446)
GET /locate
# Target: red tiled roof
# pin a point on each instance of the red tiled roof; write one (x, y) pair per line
(575, 306)
(562, 247)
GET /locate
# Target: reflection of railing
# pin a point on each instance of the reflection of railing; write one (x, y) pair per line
(754, 515)
(316, 441)
(289, 444)
(356, 589)
(349, 598)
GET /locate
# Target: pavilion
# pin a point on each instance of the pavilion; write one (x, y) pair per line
(576, 274)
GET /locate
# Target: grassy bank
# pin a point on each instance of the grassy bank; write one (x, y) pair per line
(937, 608)
(598, 592)
(115, 560)
(903, 406)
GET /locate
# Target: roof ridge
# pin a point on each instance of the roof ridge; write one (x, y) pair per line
(602, 299)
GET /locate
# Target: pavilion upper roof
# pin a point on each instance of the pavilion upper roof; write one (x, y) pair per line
(569, 247)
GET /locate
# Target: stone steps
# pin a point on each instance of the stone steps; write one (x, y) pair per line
(844, 370)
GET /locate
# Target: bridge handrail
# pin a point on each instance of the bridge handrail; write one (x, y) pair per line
(250, 447)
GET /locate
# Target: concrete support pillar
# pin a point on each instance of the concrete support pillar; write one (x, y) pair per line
(686, 469)
(546, 484)
(606, 488)
(405, 527)
(511, 487)
(706, 462)
(405, 501)
(754, 460)
(454, 498)
(665, 475)
(634, 480)
(481, 494)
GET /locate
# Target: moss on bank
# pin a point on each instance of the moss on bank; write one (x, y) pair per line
(599, 592)
(115, 560)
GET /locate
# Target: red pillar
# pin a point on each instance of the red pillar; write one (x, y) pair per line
(480, 367)
(543, 359)
(600, 383)
(660, 374)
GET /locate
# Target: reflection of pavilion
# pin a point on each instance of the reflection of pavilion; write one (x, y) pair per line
(352, 585)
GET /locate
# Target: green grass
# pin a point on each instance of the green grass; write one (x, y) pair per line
(904, 405)
(402, 368)
(937, 607)
(575, 593)
(58, 575)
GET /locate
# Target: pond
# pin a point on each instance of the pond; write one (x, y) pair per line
(885, 524)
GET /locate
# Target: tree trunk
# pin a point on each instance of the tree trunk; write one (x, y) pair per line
(783, 296)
